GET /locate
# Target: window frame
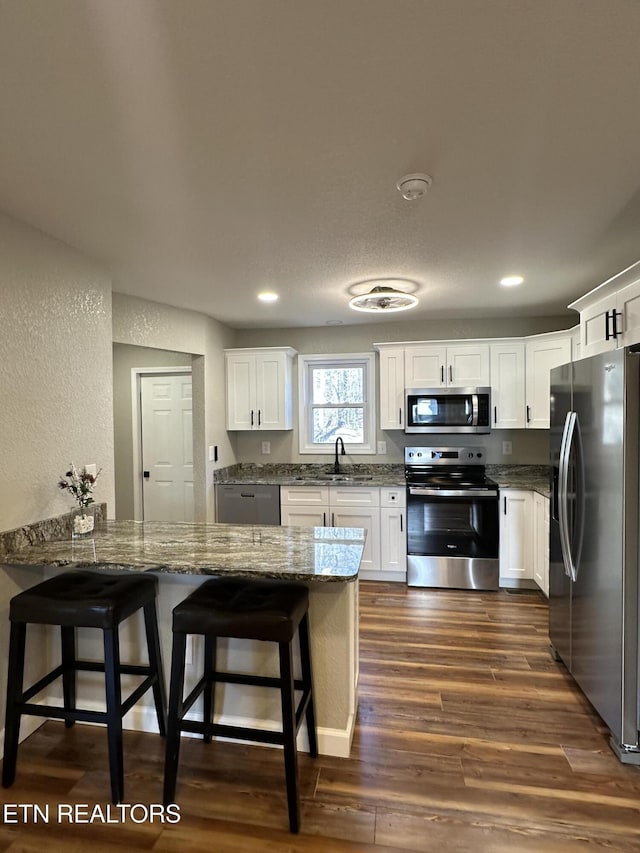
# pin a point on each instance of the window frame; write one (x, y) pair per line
(305, 407)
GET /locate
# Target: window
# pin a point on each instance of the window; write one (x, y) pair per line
(336, 399)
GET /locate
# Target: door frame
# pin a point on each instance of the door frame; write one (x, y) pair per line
(136, 424)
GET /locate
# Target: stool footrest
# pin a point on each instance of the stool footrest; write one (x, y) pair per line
(237, 678)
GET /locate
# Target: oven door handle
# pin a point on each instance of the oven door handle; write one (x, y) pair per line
(453, 493)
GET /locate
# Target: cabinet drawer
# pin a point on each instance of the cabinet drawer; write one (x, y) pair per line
(304, 495)
(353, 496)
(391, 496)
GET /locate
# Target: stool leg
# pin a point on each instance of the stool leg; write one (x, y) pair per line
(15, 678)
(209, 695)
(114, 712)
(68, 647)
(155, 665)
(307, 680)
(289, 734)
(176, 710)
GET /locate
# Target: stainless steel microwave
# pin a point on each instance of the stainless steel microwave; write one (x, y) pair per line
(444, 410)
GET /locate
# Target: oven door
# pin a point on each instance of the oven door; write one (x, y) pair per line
(452, 537)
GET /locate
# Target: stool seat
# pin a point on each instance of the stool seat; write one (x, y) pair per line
(251, 610)
(265, 610)
(83, 599)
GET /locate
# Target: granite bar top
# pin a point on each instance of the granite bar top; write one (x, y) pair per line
(291, 474)
(294, 553)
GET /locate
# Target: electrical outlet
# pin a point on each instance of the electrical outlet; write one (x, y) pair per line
(507, 448)
(382, 447)
(213, 453)
(266, 447)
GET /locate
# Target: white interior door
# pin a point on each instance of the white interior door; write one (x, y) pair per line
(167, 447)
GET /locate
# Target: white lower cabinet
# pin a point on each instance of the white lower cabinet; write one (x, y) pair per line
(541, 542)
(524, 539)
(516, 537)
(380, 511)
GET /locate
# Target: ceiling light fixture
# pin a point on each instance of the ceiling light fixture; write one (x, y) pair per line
(268, 297)
(383, 299)
(414, 186)
(511, 280)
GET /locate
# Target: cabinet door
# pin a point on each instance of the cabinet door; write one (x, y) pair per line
(507, 385)
(241, 384)
(273, 391)
(516, 535)
(468, 365)
(628, 304)
(391, 365)
(369, 518)
(593, 327)
(542, 353)
(424, 366)
(305, 496)
(303, 516)
(393, 539)
(541, 542)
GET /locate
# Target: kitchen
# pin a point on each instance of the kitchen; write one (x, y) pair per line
(68, 306)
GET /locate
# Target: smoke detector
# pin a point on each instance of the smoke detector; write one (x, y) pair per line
(414, 186)
(383, 299)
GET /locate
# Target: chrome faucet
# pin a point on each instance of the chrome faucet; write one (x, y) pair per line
(336, 464)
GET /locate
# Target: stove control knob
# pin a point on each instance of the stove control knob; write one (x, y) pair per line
(479, 455)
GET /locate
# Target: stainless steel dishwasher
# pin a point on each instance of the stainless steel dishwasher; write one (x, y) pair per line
(247, 503)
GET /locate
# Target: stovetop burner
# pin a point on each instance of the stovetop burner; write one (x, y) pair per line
(442, 467)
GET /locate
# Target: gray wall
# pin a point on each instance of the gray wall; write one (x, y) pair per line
(125, 358)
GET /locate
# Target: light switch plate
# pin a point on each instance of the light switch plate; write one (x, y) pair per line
(382, 447)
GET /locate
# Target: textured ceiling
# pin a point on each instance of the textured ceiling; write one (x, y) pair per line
(204, 150)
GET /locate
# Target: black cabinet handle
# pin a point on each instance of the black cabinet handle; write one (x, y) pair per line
(324, 519)
(505, 504)
(251, 417)
(146, 475)
(400, 415)
(442, 374)
(616, 331)
(528, 414)
(247, 495)
(450, 373)
(495, 414)
(259, 416)
(332, 520)
(401, 527)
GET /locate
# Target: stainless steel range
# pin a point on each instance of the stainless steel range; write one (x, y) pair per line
(452, 519)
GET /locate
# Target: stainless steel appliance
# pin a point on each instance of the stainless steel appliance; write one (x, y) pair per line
(593, 548)
(247, 504)
(447, 410)
(452, 519)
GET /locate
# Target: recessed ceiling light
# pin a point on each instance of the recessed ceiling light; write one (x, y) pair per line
(511, 280)
(268, 297)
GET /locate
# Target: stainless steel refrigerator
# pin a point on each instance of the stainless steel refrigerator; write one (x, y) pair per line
(593, 549)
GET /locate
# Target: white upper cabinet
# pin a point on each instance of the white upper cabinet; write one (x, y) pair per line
(508, 384)
(610, 314)
(454, 366)
(542, 353)
(259, 395)
(391, 387)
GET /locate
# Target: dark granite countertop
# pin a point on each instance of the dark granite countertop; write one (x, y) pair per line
(533, 478)
(295, 553)
(291, 474)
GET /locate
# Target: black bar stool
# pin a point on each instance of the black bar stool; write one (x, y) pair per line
(267, 610)
(83, 599)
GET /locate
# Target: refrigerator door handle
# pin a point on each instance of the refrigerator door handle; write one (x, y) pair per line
(579, 498)
(563, 497)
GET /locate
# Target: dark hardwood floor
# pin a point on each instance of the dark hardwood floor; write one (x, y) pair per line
(469, 738)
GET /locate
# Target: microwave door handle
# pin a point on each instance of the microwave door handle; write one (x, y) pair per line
(474, 410)
(563, 496)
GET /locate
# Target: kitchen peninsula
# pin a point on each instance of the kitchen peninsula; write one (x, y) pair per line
(326, 559)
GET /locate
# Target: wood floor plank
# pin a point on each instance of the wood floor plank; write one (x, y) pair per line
(469, 737)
